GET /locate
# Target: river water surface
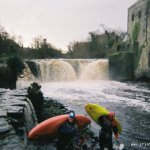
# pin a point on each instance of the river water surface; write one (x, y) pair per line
(130, 101)
(76, 82)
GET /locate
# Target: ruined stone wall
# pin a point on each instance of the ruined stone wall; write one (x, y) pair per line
(137, 14)
(148, 25)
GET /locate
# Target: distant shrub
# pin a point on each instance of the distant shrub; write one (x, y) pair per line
(10, 68)
(3, 58)
(16, 66)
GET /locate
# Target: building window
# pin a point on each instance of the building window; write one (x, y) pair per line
(132, 17)
(139, 14)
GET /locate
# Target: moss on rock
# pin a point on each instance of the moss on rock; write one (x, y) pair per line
(121, 66)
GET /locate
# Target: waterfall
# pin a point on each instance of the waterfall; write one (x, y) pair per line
(96, 70)
(56, 70)
(66, 70)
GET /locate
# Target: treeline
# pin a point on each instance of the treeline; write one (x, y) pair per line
(98, 45)
(40, 47)
(12, 54)
(8, 46)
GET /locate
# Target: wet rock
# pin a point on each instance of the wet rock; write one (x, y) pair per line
(33, 67)
(16, 119)
(4, 126)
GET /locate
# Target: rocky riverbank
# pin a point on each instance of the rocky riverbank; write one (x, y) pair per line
(17, 118)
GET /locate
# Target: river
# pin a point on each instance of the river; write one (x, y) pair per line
(76, 82)
(130, 101)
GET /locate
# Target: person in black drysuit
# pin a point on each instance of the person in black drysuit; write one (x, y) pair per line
(107, 128)
(68, 134)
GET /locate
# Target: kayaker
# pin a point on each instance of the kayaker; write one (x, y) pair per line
(108, 127)
(68, 134)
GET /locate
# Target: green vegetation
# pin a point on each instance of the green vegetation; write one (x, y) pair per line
(7, 45)
(12, 54)
(16, 65)
(135, 32)
(40, 48)
(10, 68)
(137, 54)
(135, 45)
(98, 45)
(121, 66)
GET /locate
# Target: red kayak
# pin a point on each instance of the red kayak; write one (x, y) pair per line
(50, 126)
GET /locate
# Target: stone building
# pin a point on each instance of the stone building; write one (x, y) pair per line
(139, 15)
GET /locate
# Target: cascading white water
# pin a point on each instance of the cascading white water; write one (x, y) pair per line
(55, 70)
(96, 70)
(69, 69)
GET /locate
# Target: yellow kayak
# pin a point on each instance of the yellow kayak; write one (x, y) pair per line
(95, 111)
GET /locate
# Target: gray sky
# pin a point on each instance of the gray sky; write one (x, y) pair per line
(61, 21)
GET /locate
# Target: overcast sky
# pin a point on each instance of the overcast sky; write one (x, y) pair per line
(61, 21)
